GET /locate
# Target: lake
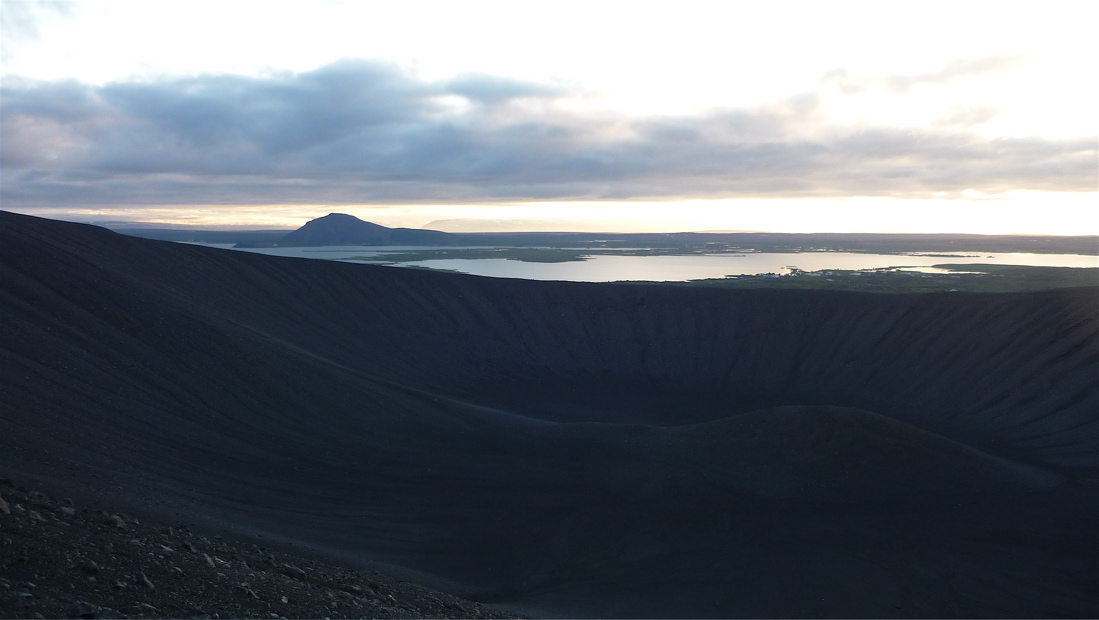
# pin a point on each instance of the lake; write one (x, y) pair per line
(609, 268)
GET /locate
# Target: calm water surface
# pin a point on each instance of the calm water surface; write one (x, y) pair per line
(682, 268)
(602, 268)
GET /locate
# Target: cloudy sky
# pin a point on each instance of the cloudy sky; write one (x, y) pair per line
(839, 116)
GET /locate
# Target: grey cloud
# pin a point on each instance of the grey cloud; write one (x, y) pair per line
(282, 114)
(488, 88)
(64, 101)
(362, 132)
(42, 122)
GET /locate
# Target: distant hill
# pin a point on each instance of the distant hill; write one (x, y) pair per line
(343, 229)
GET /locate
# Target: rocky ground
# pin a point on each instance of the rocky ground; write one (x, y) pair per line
(60, 560)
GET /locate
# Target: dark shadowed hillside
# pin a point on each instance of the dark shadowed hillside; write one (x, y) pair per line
(563, 448)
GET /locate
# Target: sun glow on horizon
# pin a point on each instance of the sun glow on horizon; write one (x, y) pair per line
(1066, 215)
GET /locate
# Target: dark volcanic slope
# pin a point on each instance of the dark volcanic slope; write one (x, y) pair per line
(570, 448)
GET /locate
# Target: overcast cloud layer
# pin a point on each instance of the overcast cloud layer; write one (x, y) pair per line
(359, 132)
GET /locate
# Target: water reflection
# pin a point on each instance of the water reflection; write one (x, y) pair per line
(683, 268)
(608, 268)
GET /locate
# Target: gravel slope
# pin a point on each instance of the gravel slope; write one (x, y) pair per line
(62, 560)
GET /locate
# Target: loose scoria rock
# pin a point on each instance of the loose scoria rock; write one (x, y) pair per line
(293, 571)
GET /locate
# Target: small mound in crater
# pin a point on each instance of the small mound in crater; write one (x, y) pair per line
(838, 453)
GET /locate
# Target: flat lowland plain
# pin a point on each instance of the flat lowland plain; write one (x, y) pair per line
(561, 448)
(974, 278)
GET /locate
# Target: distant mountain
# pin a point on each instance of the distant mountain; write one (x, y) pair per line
(343, 229)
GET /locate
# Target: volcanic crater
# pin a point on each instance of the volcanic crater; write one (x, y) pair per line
(561, 448)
